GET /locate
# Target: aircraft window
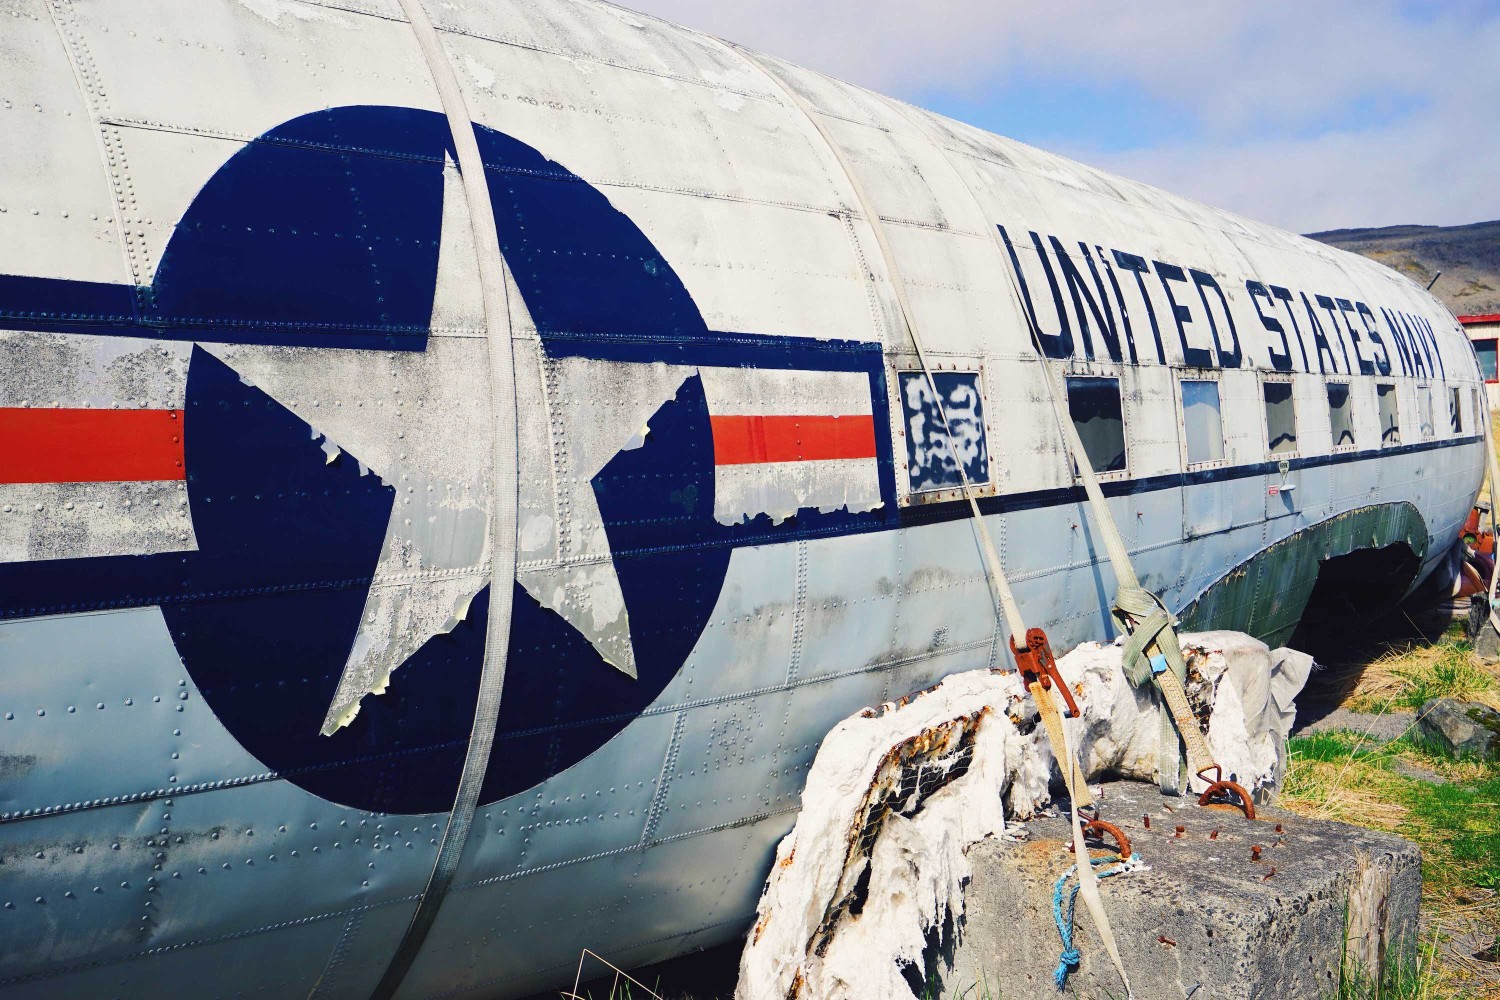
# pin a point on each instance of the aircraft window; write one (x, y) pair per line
(1455, 414)
(1340, 415)
(1094, 405)
(1390, 417)
(1424, 403)
(1281, 418)
(1203, 420)
(929, 460)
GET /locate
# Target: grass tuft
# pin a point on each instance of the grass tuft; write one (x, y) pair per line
(1406, 678)
(1410, 975)
(1413, 788)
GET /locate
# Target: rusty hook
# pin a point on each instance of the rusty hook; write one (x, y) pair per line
(1218, 786)
(1099, 826)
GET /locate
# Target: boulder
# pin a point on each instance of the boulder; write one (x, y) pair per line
(1481, 630)
(1464, 729)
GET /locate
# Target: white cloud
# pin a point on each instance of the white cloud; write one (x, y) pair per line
(1286, 93)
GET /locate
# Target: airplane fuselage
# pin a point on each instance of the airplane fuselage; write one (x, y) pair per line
(298, 446)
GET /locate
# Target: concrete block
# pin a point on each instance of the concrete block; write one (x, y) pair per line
(1204, 920)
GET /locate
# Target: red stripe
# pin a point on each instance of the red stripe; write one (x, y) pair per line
(742, 440)
(39, 445)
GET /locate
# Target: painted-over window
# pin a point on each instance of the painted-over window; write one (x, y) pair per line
(1202, 421)
(930, 462)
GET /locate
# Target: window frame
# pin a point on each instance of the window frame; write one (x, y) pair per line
(1455, 411)
(1426, 428)
(1114, 474)
(1333, 444)
(1197, 375)
(1395, 395)
(1276, 378)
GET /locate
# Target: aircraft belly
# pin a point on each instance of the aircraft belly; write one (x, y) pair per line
(166, 818)
(684, 804)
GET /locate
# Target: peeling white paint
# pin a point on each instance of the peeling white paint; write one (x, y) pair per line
(399, 617)
(482, 75)
(536, 532)
(565, 560)
(420, 422)
(781, 488)
(272, 11)
(330, 449)
(44, 521)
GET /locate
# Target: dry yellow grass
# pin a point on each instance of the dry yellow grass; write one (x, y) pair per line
(1328, 790)
(1450, 808)
(1407, 677)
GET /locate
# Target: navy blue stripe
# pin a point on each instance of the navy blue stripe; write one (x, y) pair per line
(57, 303)
(811, 524)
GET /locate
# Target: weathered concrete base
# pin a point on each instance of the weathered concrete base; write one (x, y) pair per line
(1204, 920)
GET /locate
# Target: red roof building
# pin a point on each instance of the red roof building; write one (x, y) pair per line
(1484, 334)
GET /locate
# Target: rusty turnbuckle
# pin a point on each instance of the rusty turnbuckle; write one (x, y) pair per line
(1038, 666)
(1221, 788)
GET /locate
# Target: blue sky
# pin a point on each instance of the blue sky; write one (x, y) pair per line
(1310, 114)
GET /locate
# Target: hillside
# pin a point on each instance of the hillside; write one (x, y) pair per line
(1468, 256)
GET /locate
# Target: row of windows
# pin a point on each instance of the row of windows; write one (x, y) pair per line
(1094, 405)
(1097, 411)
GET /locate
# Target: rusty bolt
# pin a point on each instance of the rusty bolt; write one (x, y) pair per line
(1278, 827)
(1213, 835)
(1147, 821)
(1269, 875)
(1181, 829)
(1254, 852)
(1163, 939)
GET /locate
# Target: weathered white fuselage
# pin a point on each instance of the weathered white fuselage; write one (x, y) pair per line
(237, 689)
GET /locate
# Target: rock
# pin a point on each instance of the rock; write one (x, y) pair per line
(1202, 917)
(1481, 630)
(1461, 728)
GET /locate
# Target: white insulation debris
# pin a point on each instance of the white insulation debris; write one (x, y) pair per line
(874, 871)
(1241, 691)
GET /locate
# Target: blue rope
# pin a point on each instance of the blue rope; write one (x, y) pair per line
(1069, 958)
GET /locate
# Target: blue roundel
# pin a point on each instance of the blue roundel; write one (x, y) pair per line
(324, 232)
